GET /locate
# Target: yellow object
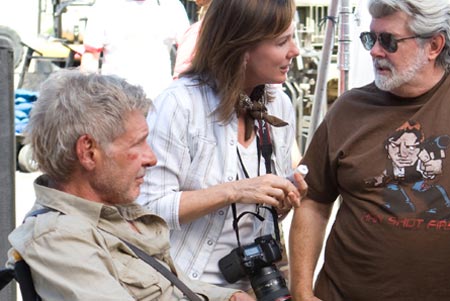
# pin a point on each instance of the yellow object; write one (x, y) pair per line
(16, 255)
(48, 48)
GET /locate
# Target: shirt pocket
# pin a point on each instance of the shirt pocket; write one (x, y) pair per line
(141, 280)
(281, 159)
(202, 163)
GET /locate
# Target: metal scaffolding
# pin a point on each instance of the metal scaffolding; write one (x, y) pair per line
(320, 94)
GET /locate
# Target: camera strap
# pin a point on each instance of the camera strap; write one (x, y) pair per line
(144, 257)
(236, 219)
(265, 144)
(264, 148)
(163, 270)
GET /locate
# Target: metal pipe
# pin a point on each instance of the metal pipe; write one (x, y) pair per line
(344, 46)
(7, 159)
(320, 101)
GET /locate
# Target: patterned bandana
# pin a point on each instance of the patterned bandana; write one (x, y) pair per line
(255, 109)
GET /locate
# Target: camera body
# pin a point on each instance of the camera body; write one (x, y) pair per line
(256, 261)
(248, 260)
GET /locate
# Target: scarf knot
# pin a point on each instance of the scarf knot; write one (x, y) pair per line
(255, 109)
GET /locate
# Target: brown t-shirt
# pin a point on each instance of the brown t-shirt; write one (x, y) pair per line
(386, 157)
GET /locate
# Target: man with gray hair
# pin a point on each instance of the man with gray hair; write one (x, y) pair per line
(88, 134)
(381, 151)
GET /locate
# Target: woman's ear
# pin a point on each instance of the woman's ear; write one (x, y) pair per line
(246, 58)
(86, 149)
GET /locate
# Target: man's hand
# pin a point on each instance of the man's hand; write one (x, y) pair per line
(241, 296)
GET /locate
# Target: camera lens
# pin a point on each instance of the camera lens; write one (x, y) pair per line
(269, 285)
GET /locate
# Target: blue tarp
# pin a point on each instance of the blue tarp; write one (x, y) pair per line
(23, 102)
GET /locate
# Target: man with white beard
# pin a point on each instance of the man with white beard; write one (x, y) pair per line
(378, 249)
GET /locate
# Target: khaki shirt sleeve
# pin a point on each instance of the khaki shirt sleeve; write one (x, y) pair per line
(67, 264)
(70, 260)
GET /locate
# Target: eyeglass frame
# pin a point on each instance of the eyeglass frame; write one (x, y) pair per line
(386, 47)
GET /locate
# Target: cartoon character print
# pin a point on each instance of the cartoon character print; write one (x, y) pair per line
(410, 178)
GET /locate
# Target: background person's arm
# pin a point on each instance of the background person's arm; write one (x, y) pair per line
(90, 60)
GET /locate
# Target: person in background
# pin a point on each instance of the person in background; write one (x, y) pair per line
(208, 132)
(135, 37)
(88, 134)
(382, 151)
(186, 43)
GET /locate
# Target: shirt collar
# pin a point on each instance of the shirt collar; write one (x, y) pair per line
(70, 204)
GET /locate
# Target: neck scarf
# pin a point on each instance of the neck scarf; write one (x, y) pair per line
(254, 108)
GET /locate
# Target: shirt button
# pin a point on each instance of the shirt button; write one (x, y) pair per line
(209, 242)
(108, 211)
(231, 142)
(194, 275)
(221, 212)
(230, 178)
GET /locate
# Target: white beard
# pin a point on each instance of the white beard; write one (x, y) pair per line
(396, 79)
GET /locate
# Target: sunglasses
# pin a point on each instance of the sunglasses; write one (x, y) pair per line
(386, 40)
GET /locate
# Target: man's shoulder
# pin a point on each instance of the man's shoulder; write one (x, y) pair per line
(51, 223)
(362, 94)
(370, 88)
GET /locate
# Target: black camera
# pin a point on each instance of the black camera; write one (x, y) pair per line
(256, 261)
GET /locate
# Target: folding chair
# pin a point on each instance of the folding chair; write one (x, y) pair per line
(21, 273)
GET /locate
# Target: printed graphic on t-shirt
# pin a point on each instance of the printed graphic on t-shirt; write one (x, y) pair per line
(413, 170)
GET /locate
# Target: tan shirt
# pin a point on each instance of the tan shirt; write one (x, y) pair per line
(73, 255)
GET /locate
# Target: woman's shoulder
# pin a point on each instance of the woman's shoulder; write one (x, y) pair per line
(186, 92)
(184, 84)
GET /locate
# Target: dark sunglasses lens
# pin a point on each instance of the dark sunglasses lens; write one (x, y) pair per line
(388, 42)
(368, 39)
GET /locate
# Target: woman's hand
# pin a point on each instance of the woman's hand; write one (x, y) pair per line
(292, 199)
(301, 184)
(269, 189)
